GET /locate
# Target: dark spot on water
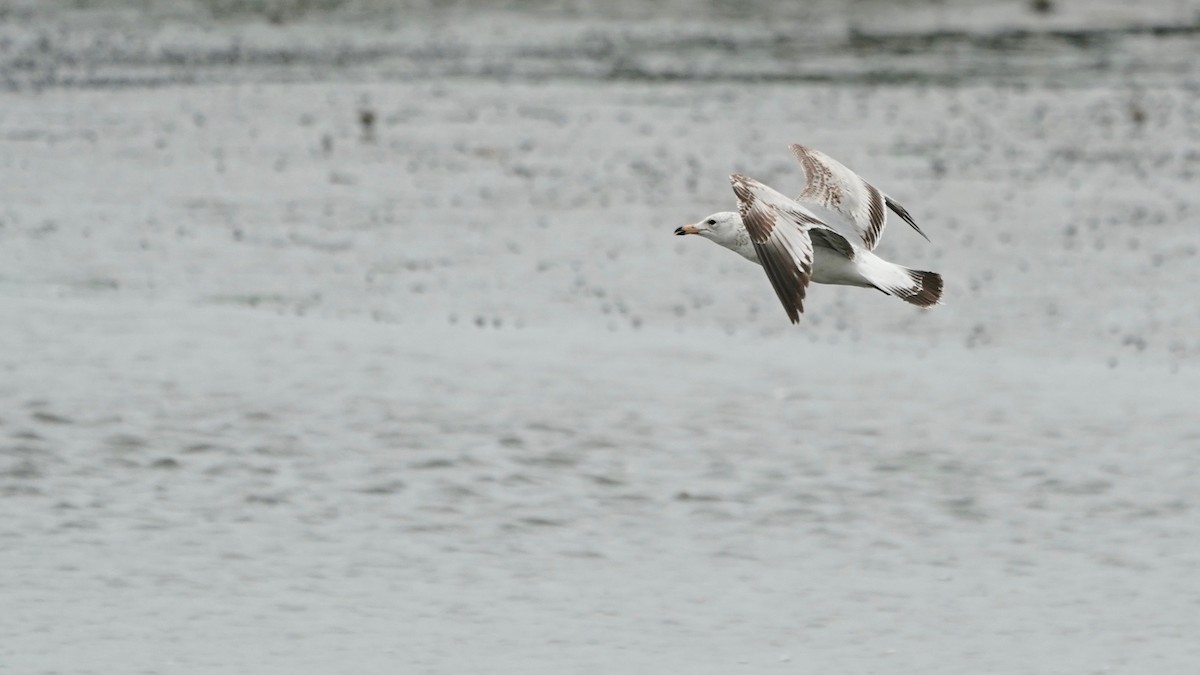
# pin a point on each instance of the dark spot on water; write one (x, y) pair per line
(1137, 114)
(542, 522)
(582, 554)
(546, 426)
(388, 488)
(685, 496)
(24, 469)
(965, 508)
(550, 459)
(126, 441)
(80, 524)
(51, 418)
(366, 120)
(432, 464)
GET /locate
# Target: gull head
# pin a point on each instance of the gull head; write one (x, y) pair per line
(720, 227)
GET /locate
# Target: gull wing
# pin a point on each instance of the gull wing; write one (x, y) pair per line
(858, 205)
(779, 229)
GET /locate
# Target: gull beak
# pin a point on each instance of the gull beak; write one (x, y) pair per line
(686, 229)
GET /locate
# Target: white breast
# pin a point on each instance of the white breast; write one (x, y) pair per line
(829, 266)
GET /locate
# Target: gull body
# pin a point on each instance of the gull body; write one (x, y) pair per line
(826, 235)
(829, 266)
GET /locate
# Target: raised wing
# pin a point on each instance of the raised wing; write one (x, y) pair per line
(831, 186)
(779, 229)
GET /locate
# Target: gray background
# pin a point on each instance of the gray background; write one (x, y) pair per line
(285, 392)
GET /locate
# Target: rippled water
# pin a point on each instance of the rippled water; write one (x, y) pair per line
(346, 339)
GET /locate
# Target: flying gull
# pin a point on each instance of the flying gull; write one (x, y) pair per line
(825, 235)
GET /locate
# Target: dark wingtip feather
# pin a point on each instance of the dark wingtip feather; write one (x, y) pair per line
(903, 213)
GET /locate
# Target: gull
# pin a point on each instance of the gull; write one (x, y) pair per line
(826, 235)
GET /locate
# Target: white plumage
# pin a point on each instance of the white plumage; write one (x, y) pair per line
(826, 235)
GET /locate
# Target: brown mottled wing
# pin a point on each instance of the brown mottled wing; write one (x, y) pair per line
(778, 228)
(844, 200)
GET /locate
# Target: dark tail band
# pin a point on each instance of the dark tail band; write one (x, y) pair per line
(926, 290)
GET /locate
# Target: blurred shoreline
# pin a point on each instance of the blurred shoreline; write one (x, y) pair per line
(132, 44)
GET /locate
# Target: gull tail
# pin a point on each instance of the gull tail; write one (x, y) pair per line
(917, 287)
(924, 291)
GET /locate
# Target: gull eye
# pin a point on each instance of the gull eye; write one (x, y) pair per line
(710, 221)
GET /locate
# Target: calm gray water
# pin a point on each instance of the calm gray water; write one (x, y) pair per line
(352, 337)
